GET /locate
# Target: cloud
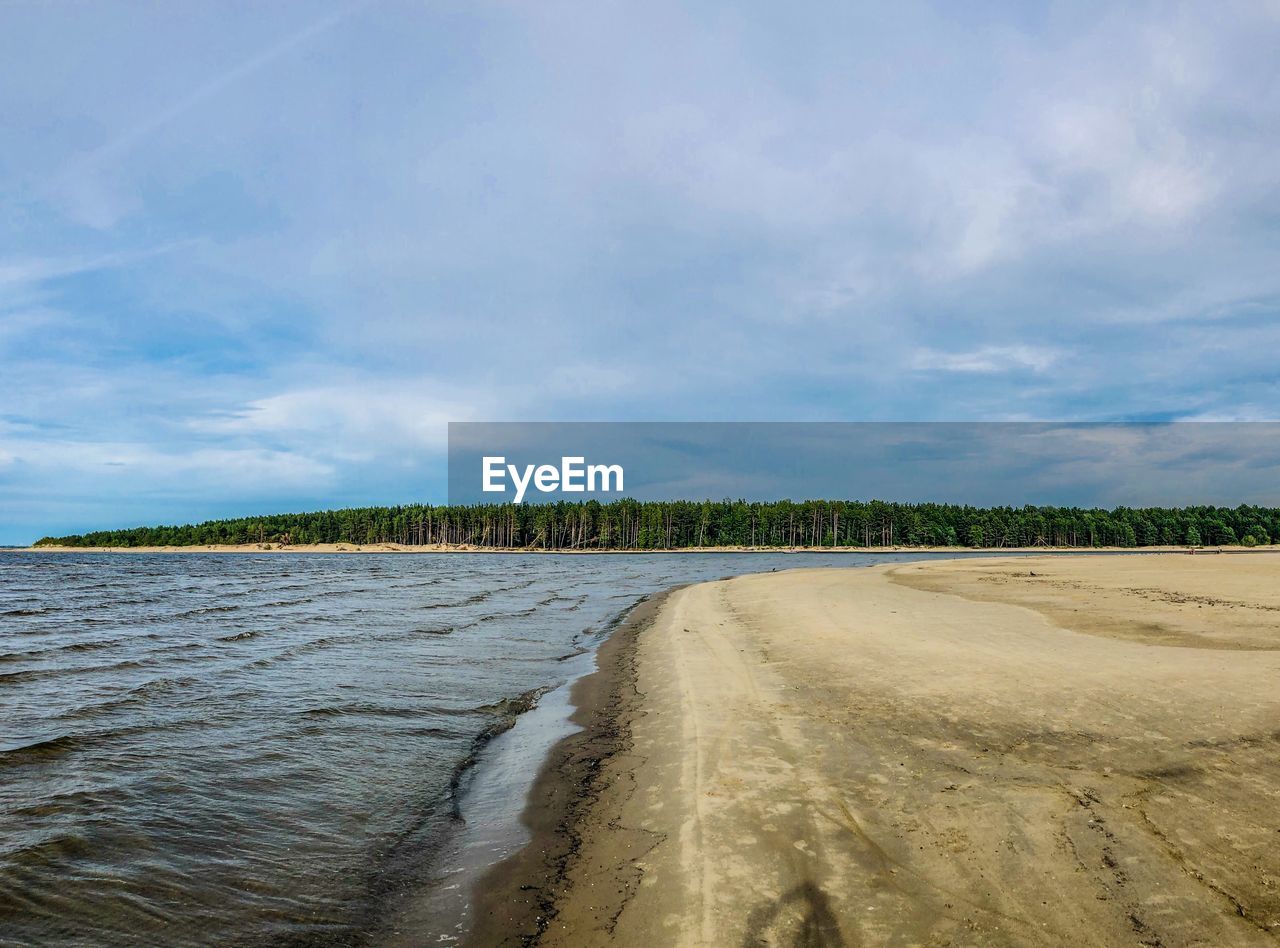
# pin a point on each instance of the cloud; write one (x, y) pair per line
(216, 84)
(124, 463)
(1241, 413)
(347, 421)
(22, 273)
(80, 181)
(986, 360)
(325, 233)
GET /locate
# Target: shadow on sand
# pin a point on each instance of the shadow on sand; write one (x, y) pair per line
(815, 927)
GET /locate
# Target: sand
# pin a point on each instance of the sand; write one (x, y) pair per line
(470, 548)
(1023, 751)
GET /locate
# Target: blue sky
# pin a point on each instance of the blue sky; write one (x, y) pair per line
(255, 256)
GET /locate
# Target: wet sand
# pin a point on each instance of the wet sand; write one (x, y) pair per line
(518, 898)
(1027, 751)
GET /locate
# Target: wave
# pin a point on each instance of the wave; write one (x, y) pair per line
(576, 600)
(376, 710)
(91, 646)
(28, 674)
(52, 851)
(469, 601)
(421, 584)
(40, 748)
(514, 586)
(134, 697)
(515, 705)
(504, 714)
(245, 606)
(282, 602)
(302, 648)
(514, 614)
(158, 686)
(205, 610)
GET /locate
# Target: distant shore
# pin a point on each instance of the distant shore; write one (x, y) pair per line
(465, 548)
(971, 751)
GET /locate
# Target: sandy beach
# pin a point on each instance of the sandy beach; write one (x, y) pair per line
(1025, 751)
(470, 548)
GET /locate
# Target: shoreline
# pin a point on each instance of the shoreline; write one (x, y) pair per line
(516, 897)
(457, 549)
(983, 732)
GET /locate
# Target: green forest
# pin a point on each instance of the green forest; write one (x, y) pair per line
(658, 525)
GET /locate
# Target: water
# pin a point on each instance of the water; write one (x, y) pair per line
(271, 749)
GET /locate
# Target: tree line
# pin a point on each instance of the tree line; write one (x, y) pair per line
(657, 525)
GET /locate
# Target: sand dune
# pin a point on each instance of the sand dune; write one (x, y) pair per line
(1029, 751)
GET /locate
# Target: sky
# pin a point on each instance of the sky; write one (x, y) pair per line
(983, 463)
(254, 257)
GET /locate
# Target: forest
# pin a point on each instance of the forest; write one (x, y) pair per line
(672, 525)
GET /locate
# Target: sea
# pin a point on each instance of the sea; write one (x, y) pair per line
(289, 749)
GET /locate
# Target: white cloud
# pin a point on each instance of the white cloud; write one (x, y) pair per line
(986, 360)
(362, 419)
(114, 464)
(22, 274)
(1240, 413)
